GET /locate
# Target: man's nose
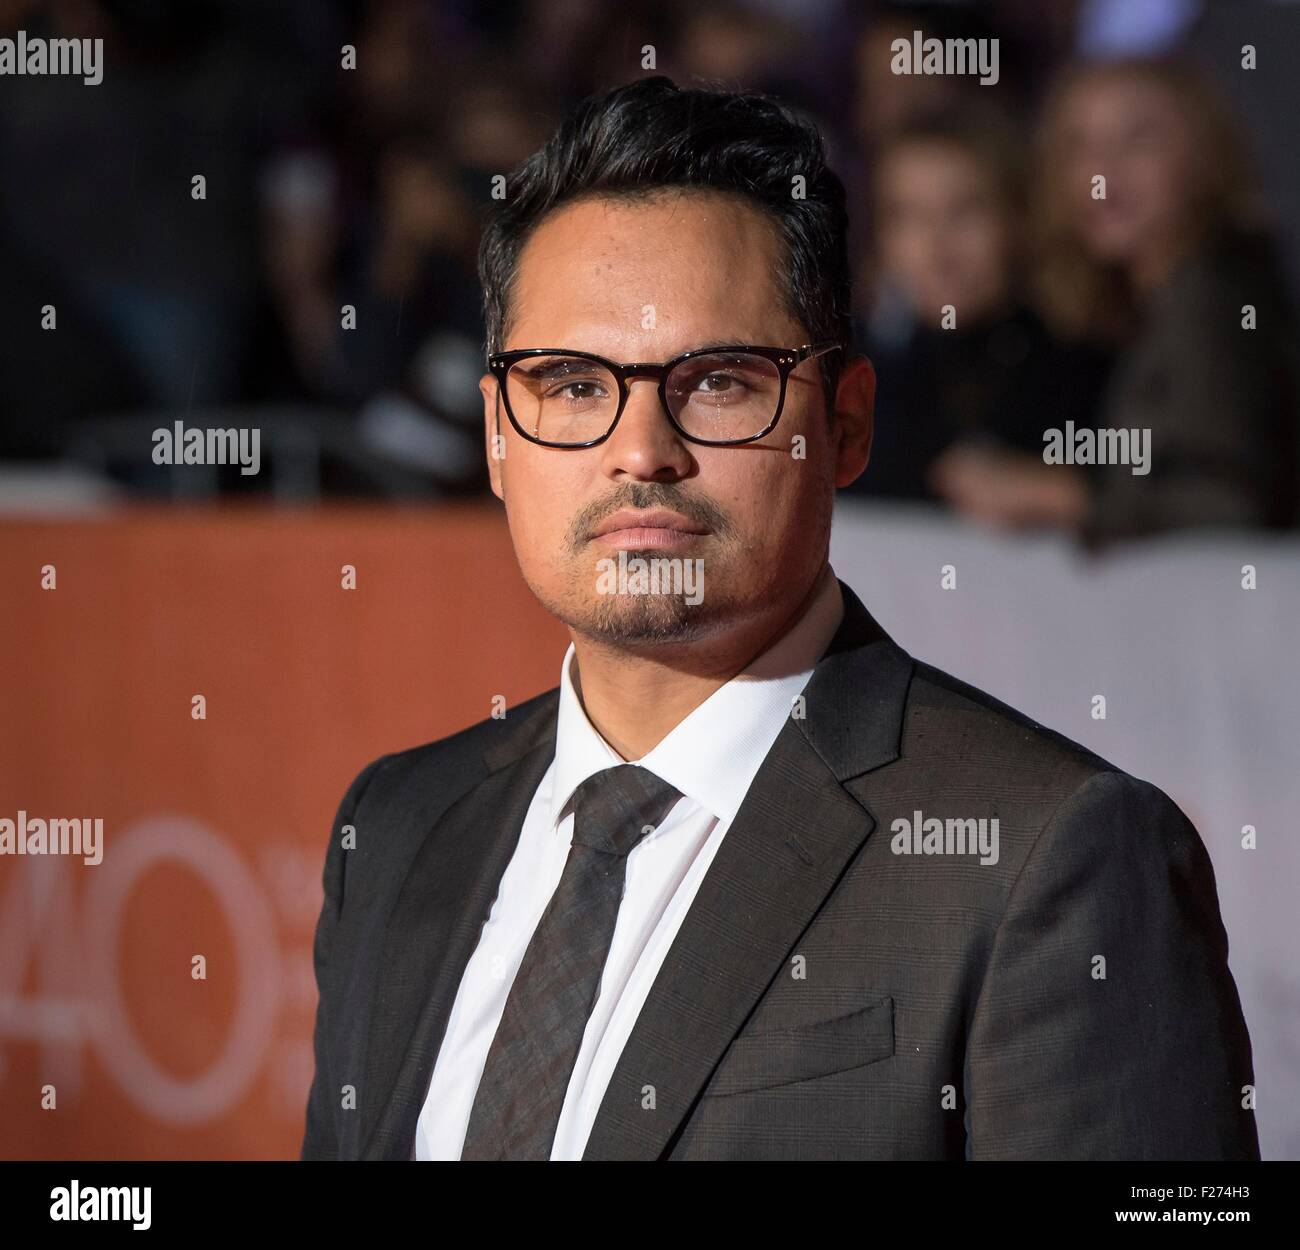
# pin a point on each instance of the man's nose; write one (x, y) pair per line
(644, 442)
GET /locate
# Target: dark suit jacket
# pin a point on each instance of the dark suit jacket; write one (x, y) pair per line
(825, 997)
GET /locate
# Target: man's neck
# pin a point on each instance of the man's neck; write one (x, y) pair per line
(635, 700)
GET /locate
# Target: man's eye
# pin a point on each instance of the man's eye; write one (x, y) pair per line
(719, 384)
(575, 391)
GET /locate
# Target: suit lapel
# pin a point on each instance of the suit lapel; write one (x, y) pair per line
(434, 927)
(792, 839)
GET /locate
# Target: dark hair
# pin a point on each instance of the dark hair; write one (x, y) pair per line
(650, 134)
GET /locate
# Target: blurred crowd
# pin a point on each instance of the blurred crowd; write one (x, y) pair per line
(998, 296)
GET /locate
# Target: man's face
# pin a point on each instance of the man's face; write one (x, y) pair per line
(644, 281)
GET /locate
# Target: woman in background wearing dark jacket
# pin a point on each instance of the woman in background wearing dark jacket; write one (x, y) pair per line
(1166, 260)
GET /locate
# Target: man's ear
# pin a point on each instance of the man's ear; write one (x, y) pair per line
(855, 402)
(494, 443)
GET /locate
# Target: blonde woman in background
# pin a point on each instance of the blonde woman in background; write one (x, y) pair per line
(1162, 268)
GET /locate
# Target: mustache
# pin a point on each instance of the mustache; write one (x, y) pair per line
(641, 495)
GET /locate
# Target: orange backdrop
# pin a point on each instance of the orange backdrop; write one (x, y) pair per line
(214, 829)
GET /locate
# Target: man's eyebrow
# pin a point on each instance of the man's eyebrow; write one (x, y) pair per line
(717, 342)
(553, 366)
(565, 360)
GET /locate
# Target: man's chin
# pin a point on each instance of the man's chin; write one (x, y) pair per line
(641, 620)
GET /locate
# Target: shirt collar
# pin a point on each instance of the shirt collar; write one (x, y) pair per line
(713, 754)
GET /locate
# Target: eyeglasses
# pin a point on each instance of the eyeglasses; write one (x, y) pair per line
(718, 396)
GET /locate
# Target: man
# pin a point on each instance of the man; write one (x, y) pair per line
(751, 882)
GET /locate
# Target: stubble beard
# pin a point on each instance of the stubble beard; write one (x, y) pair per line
(631, 621)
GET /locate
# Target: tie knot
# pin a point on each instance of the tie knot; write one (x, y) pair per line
(615, 808)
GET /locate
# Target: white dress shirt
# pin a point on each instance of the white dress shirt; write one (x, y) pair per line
(711, 757)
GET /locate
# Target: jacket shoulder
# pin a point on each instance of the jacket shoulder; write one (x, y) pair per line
(1049, 790)
(982, 734)
(460, 755)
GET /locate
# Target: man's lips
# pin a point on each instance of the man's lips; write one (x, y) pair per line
(657, 527)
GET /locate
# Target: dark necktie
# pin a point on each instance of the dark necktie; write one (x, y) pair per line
(517, 1106)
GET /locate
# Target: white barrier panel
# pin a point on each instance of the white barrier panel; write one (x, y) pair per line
(1201, 681)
